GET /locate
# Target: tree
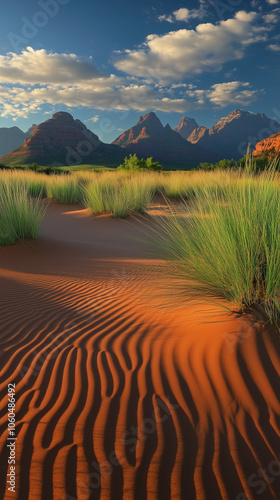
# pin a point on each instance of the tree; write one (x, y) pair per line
(134, 164)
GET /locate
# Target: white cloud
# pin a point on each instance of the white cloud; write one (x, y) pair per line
(272, 2)
(179, 54)
(94, 119)
(28, 89)
(163, 17)
(224, 94)
(39, 66)
(183, 15)
(274, 47)
(34, 78)
(22, 101)
(271, 18)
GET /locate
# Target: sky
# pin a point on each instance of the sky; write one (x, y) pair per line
(109, 62)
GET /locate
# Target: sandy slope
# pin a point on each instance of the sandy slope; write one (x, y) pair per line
(117, 397)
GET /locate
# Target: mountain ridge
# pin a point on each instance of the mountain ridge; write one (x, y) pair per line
(230, 135)
(150, 138)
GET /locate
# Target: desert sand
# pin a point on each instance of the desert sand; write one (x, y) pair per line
(119, 396)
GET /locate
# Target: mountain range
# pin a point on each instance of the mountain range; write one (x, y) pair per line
(150, 138)
(230, 136)
(62, 140)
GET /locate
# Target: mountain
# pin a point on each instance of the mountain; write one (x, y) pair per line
(186, 126)
(197, 134)
(229, 137)
(63, 141)
(11, 138)
(150, 138)
(272, 142)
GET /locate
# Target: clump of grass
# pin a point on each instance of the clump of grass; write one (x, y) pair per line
(65, 189)
(34, 183)
(227, 245)
(20, 216)
(119, 196)
(189, 184)
(37, 186)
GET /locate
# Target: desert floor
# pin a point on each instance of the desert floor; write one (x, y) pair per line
(119, 393)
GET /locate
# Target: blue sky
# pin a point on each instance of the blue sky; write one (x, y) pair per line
(109, 62)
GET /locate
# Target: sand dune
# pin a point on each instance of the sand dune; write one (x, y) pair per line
(117, 397)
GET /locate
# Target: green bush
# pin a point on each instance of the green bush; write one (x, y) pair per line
(261, 162)
(222, 164)
(133, 163)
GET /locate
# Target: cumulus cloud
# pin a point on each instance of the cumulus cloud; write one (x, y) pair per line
(183, 15)
(224, 94)
(22, 101)
(236, 92)
(39, 66)
(36, 77)
(179, 54)
(25, 87)
(272, 2)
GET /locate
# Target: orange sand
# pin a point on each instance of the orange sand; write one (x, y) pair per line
(118, 398)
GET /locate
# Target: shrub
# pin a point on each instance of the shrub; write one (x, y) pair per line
(224, 164)
(133, 163)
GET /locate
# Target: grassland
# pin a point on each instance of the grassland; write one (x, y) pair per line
(222, 241)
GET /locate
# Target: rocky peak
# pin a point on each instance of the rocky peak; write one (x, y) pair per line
(150, 119)
(186, 127)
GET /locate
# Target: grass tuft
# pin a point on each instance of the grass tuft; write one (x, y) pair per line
(226, 244)
(20, 216)
(119, 196)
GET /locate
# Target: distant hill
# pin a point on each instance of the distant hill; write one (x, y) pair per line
(12, 137)
(186, 127)
(62, 140)
(150, 138)
(229, 137)
(272, 142)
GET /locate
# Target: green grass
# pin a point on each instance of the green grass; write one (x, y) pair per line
(34, 183)
(65, 189)
(119, 196)
(81, 168)
(227, 245)
(222, 242)
(20, 215)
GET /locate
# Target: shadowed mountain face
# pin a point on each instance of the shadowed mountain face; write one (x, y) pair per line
(63, 141)
(150, 138)
(186, 127)
(11, 138)
(272, 142)
(230, 136)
